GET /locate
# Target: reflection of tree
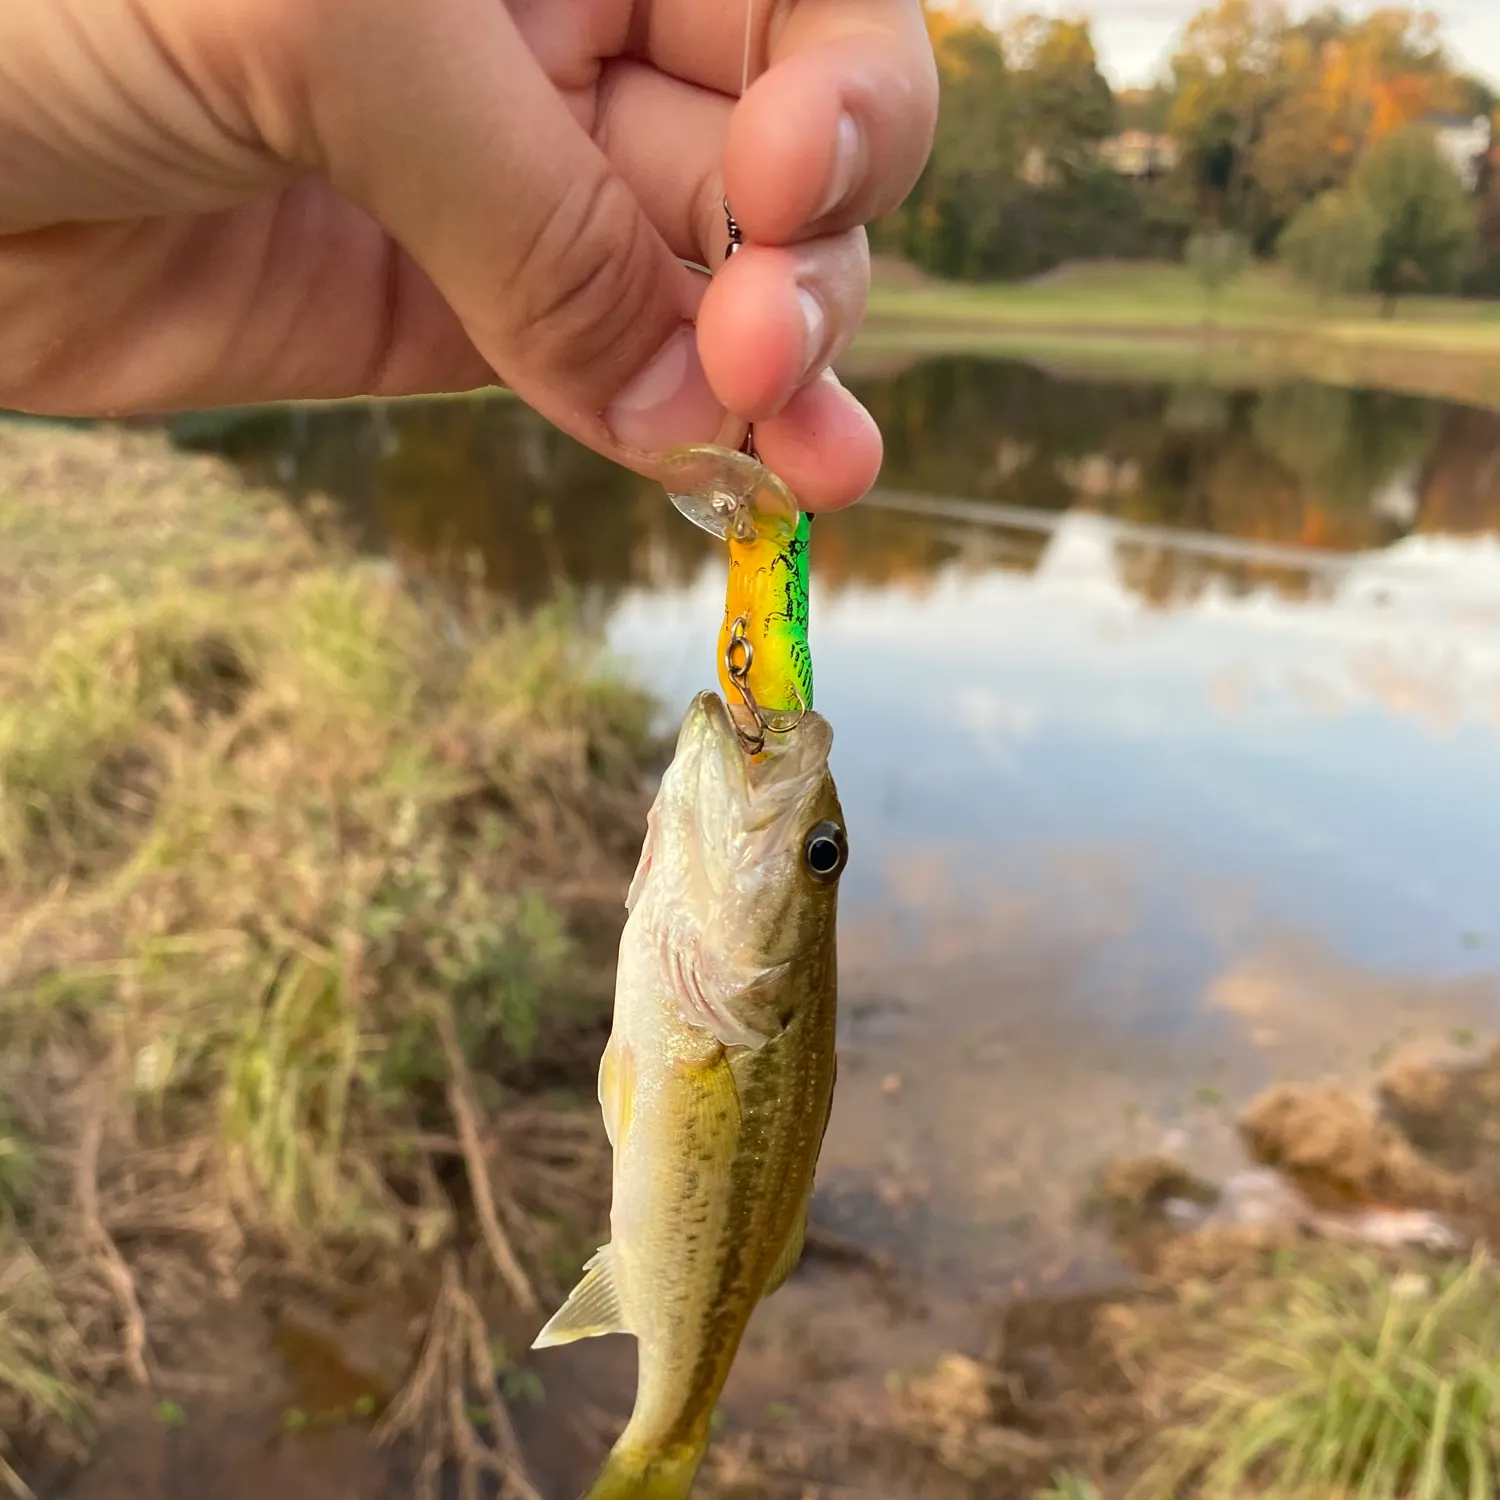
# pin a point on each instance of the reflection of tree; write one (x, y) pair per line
(1391, 435)
(456, 479)
(436, 483)
(1345, 447)
(1306, 426)
(995, 428)
(1196, 407)
(1460, 483)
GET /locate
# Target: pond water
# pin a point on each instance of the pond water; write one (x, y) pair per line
(1168, 735)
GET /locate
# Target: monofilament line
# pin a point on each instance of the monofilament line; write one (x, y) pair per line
(745, 61)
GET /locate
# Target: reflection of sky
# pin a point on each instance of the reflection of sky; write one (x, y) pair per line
(1339, 762)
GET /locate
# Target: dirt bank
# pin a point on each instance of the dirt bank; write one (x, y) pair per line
(1331, 1327)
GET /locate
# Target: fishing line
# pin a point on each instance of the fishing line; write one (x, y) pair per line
(745, 61)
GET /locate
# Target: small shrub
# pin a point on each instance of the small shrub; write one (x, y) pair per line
(1332, 244)
(1217, 258)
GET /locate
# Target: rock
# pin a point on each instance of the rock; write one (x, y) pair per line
(1148, 1183)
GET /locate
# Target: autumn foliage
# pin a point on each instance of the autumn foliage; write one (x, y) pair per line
(1263, 110)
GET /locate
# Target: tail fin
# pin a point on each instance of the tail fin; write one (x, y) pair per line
(629, 1474)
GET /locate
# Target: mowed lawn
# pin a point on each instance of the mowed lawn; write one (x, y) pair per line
(1154, 321)
(1166, 299)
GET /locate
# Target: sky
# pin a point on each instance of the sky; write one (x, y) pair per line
(1135, 37)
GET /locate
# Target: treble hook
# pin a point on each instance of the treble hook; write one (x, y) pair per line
(739, 657)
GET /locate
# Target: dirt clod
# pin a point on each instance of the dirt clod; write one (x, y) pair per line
(1340, 1154)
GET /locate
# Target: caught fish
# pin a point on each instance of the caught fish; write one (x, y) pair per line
(717, 1081)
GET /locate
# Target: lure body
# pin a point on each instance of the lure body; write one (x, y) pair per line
(768, 594)
(736, 498)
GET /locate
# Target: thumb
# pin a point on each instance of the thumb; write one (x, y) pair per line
(440, 122)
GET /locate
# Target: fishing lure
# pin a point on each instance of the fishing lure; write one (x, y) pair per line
(765, 661)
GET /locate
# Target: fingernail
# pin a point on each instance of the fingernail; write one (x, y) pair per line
(814, 329)
(847, 151)
(669, 402)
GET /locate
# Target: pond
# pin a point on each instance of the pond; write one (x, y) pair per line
(1168, 735)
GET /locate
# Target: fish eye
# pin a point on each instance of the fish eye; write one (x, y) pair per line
(825, 851)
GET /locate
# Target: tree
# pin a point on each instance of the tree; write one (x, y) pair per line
(1427, 221)
(1225, 82)
(1332, 243)
(1298, 154)
(954, 216)
(1063, 107)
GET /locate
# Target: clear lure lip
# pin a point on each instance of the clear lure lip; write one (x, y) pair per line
(727, 493)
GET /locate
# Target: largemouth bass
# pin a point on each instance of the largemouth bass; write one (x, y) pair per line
(717, 1081)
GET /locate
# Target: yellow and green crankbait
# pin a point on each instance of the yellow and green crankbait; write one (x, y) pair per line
(764, 658)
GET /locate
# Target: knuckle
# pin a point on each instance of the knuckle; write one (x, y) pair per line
(276, 58)
(584, 281)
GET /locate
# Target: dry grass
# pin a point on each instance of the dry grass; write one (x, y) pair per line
(291, 870)
(1357, 1382)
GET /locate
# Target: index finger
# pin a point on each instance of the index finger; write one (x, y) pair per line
(838, 120)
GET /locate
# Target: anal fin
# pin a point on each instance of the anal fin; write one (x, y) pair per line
(592, 1311)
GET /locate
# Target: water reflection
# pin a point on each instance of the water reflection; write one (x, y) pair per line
(1300, 464)
(1167, 731)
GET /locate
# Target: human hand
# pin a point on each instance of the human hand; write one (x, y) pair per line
(252, 200)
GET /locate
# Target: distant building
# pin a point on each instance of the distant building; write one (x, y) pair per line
(1464, 141)
(1037, 168)
(1139, 153)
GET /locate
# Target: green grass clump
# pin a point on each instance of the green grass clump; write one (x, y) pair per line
(1070, 1486)
(1360, 1383)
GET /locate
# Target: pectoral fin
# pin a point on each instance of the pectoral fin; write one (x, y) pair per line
(706, 1102)
(592, 1310)
(617, 1090)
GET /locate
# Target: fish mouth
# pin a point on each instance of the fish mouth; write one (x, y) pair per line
(790, 763)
